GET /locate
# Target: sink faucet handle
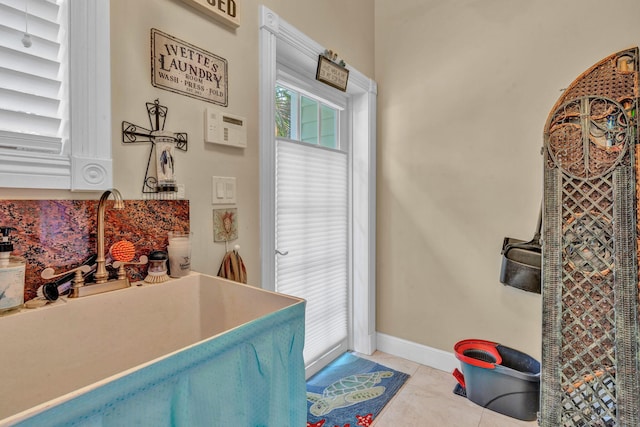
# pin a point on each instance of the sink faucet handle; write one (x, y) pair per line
(142, 261)
(120, 265)
(49, 272)
(78, 279)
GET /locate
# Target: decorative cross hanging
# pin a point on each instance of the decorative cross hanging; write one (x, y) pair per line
(163, 141)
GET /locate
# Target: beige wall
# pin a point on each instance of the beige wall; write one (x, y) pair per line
(464, 89)
(130, 23)
(346, 27)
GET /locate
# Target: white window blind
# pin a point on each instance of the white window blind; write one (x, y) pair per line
(32, 89)
(312, 226)
(55, 96)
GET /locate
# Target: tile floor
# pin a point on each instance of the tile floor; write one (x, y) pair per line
(427, 400)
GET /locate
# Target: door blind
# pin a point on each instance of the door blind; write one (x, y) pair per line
(31, 78)
(312, 229)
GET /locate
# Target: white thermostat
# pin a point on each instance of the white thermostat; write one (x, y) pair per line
(224, 128)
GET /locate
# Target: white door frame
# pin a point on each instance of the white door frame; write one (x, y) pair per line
(280, 41)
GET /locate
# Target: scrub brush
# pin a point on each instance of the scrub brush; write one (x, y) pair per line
(157, 272)
(122, 250)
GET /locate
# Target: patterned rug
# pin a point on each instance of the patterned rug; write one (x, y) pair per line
(350, 392)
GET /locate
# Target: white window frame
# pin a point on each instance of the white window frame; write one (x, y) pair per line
(286, 78)
(279, 41)
(88, 164)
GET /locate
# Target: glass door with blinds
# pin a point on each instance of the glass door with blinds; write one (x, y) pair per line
(312, 212)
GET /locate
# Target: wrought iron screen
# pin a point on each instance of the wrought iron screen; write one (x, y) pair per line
(590, 268)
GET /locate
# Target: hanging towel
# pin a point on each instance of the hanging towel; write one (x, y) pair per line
(233, 268)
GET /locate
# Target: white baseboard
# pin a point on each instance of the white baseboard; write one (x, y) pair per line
(418, 353)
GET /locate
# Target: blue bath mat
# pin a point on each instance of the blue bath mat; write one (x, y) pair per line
(350, 391)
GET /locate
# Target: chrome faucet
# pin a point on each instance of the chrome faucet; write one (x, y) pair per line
(101, 274)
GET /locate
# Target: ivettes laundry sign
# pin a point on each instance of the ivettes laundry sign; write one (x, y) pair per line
(178, 66)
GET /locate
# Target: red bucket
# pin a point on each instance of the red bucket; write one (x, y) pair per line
(480, 353)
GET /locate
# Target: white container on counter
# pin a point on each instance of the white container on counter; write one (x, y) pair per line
(12, 283)
(12, 269)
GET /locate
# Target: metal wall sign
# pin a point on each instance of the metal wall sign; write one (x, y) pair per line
(181, 67)
(225, 11)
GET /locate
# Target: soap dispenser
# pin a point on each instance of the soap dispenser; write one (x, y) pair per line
(12, 269)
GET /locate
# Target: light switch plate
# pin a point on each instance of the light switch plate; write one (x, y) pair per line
(223, 190)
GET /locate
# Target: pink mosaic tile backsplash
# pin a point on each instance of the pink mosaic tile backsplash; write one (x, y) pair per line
(62, 233)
